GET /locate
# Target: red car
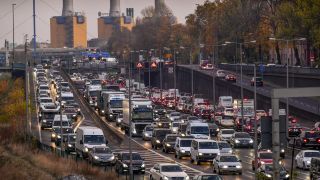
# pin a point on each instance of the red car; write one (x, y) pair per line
(231, 77)
(264, 157)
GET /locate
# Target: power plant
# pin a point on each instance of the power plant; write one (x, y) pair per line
(69, 29)
(114, 21)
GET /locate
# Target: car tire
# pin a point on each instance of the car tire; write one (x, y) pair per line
(304, 166)
(214, 169)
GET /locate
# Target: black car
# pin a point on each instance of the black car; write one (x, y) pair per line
(205, 113)
(69, 143)
(309, 139)
(159, 110)
(258, 81)
(182, 128)
(214, 129)
(169, 142)
(123, 162)
(265, 171)
(158, 136)
(241, 139)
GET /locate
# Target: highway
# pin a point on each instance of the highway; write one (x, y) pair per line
(150, 155)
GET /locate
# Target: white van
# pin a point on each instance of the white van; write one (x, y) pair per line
(225, 101)
(57, 121)
(182, 146)
(87, 138)
(203, 150)
(198, 130)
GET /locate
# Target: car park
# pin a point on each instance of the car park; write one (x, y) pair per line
(223, 164)
(162, 171)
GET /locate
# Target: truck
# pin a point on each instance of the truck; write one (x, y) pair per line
(248, 107)
(141, 115)
(111, 104)
(92, 93)
(47, 113)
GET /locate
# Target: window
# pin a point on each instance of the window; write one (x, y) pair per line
(208, 145)
(171, 168)
(93, 139)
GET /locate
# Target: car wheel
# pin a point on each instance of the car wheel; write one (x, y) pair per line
(304, 166)
(214, 169)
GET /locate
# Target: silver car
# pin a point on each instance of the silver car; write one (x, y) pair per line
(101, 155)
(225, 147)
(227, 164)
(147, 133)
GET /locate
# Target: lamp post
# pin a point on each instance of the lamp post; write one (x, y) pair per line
(190, 63)
(130, 124)
(13, 5)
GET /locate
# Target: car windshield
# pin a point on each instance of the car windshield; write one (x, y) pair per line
(102, 150)
(72, 138)
(208, 145)
(228, 159)
(171, 138)
(135, 156)
(312, 154)
(192, 118)
(171, 168)
(149, 128)
(96, 82)
(224, 145)
(211, 177)
(139, 114)
(47, 116)
(265, 155)
(46, 100)
(185, 143)
(242, 135)
(67, 98)
(58, 123)
(94, 139)
(200, 130)
(116, 103)
(227, 131)
(258, 79)
(175, 114)
(268, 167)
(158, 107)
(162, 133)
(175, 124)
(94, 93)
(312, 134)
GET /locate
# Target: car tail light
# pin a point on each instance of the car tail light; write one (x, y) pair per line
(318, 140)
(305, 140)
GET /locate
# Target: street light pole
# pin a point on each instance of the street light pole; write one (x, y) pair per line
(287, 99)
(130, 124)
(175, 78)
(149, 83)
(255, 124)
(161, 64)
(241, 86)
(13, 33)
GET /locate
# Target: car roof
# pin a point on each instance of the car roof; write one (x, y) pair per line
(168, 164)
(204, 140)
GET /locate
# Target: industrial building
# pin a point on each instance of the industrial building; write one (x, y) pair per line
(114, 21)
(70, 29)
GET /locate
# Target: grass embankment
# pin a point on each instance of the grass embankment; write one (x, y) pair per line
(20, 159)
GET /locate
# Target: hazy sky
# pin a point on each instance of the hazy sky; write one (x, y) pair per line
(45, 9)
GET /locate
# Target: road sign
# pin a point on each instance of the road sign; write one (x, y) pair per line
(154, 65)
(139, 65)
(261, 68)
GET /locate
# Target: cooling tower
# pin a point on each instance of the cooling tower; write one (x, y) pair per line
(114, 8)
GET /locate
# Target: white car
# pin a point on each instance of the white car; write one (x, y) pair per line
(303, 158)
(167, 171)
(227, 164)
(225, 134)
(225, 147)
(220, 74)
(174, 116)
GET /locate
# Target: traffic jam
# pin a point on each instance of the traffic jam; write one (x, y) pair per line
(187, 128)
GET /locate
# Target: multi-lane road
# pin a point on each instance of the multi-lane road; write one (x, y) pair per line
(152, 156)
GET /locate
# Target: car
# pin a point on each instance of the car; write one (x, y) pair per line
(309, 139)
(159, 109)
(58, 123)
(56, 133)
(174, 116)
(147, 132)
(294, 130)
(209, 66)
(205, 113)
(220, 74)
(260, 113)
(258, 81)
(69, 143)
(203, 150)
(225, 147)
(264, 157)
(303, 158)
(241, 139)
(231, 78)
(182, 129)
(214, 129)
(225, 134)
(123, 162)
(314, 168)
(158, 135)
(166, 171)
(101, 155)
(169, 142)
(223, 164)
(175, 126)
(265, 171)
(204, 176)
(182, 146)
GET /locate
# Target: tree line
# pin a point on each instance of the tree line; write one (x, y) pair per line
(274, 25)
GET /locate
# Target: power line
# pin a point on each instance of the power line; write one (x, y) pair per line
(16, 26)
(9, 12)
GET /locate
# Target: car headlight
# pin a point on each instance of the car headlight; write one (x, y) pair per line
(124, 165)
(86, 149)
(200, 154)
(262, 162)
(187, 177)
(111, 115)
(183, 151)
(251, 141)
(40, 115)
(143, 165)
(69, 145)
(59, 136)
(224, 167)
(96, 157)
(168, 145)
(156, 111)
(160, 124)
(112, 157)
(157, 141)
(165, 178)
(74, 115)
(230, 151)
(218, 129)
(237, 141)
(308, 162)
(238, 167)
(102, 111)
(268, 175)
(287, 176)
(78, 109)
(134, 131)
(53, 135)
(90, 102)
(282, 150)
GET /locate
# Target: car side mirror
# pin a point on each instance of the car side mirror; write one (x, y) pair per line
(81, 142)
(107, 142)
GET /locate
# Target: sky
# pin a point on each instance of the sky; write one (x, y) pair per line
(45, 9)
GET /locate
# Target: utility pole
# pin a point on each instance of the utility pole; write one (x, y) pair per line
(28, 129)
(241, 84)
(34, 31)
(255, 124)
(13, 32)
(287, 79)
(175, 78)
(192, 95)
(161, 64)
(149, 84)
(130, 124)
(213, 83)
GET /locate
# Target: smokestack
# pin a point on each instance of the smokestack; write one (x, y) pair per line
(158, 5)
(67, 8)
(114, 8)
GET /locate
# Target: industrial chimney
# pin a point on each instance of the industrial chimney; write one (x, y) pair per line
(67, 9)
(159, 4)
(114, 8)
